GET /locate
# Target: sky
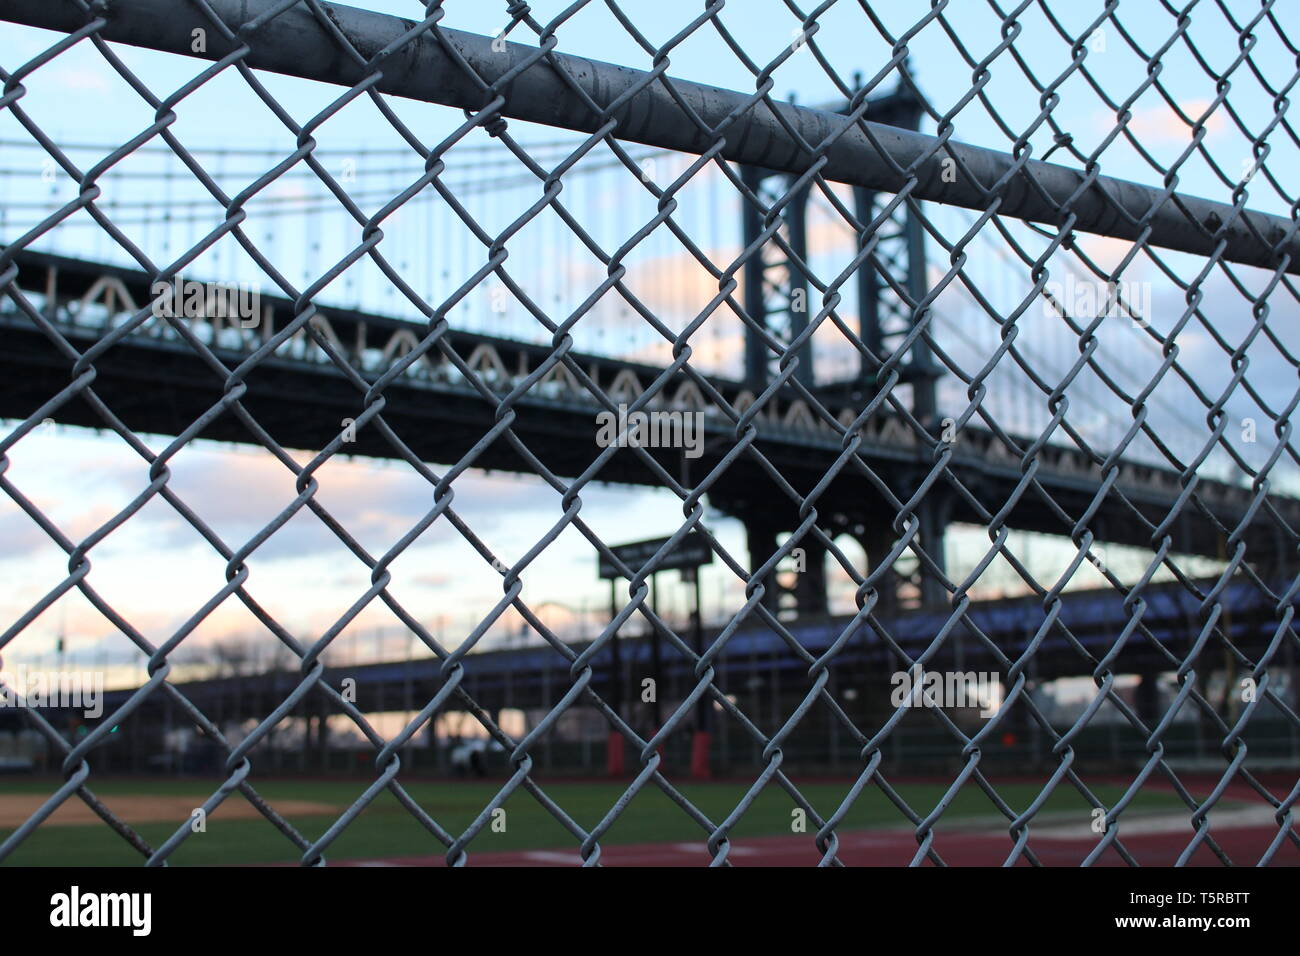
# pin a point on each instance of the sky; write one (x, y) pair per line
(157, 571)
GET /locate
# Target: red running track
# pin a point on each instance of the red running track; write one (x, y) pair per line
(1243, 845)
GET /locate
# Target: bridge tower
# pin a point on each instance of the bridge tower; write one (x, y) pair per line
(777, 299)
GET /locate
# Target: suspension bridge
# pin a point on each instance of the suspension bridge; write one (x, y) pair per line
(90, 315)
(1056, 475)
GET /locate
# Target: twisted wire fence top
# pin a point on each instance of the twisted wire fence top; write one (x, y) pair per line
(1122, 148)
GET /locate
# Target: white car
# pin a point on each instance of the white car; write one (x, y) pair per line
(468, 757)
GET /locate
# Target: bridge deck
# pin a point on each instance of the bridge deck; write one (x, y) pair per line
(156, 383)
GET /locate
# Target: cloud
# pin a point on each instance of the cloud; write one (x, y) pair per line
(20, 535)
(1161, 124)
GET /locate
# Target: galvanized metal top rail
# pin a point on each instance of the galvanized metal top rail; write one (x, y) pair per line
(689, 117)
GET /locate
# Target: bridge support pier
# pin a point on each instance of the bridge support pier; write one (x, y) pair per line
(760, 537)
(876, 545)
(810, 584)
(934, 512)
(1146, 698)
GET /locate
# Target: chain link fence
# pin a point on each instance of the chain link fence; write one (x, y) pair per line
(1085, 224)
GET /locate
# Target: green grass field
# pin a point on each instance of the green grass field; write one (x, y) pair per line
(386, 829)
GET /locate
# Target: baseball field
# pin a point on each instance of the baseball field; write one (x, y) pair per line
(528, 833)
